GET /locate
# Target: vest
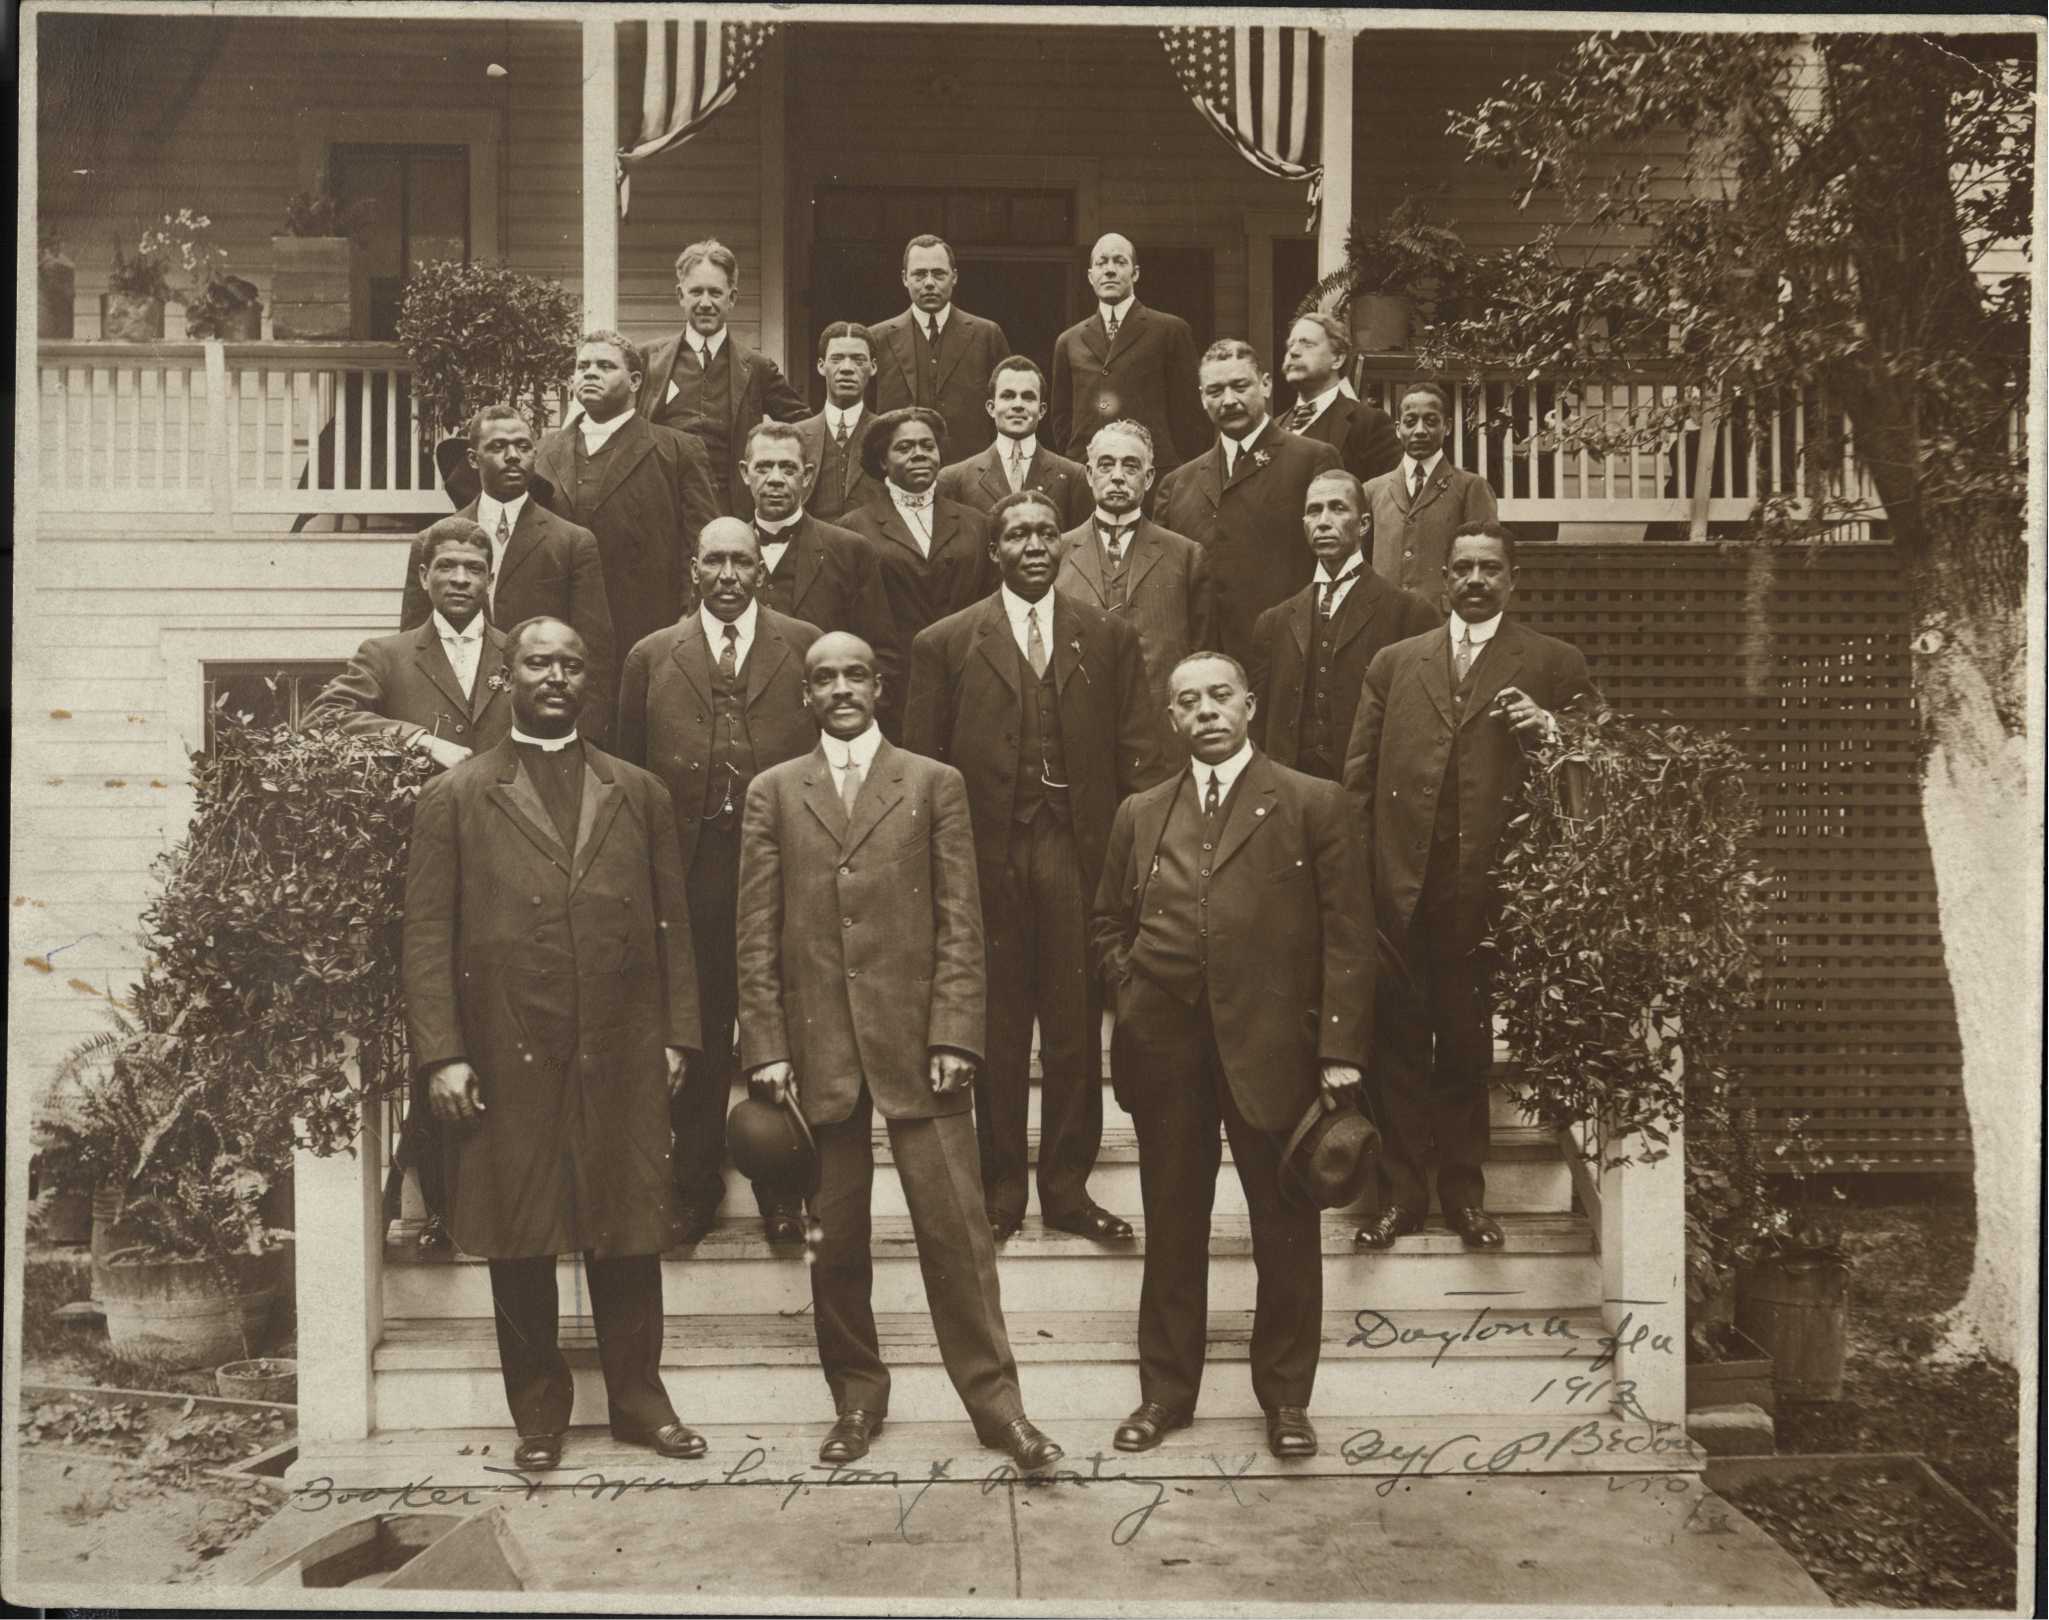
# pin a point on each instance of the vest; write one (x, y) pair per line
(558, 778)
(1172, 948)
(1439, 896)
(1314, 752)
(590, 472)
(838, 466)
(730, 766)
(927, 356)
(704, 399)
(1117, 577)
(779, 588)
(1041, 755)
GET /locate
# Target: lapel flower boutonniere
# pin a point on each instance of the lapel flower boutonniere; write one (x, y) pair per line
(498, 682)
(1260, 458)
(1074, 647)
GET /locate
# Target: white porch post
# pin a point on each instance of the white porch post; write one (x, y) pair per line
(600, 190)
(1336, 212)
(1642, 1222)
(338, 1208)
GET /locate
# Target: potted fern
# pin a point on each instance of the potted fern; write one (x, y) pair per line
(1387, 270)
(320, 270)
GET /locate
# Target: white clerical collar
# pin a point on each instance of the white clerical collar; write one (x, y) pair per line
(707, 346)
(1350, 568)
(781, 525)
(1120, 311)
(1028, 446)
(860, 750)
(473, 631)
(1018, 610)
(596, 435)
(1251, 438)
(488, 510)
(1226, 771)
(1410, 464)
(850, 416)
(547, 745)
(1478, 634)
(743, 627)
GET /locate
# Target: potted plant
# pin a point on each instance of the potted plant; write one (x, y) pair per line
(320, 272)
(269, 999)
(56, 286)
(482, 335)
(1387, 269)
(132, 307)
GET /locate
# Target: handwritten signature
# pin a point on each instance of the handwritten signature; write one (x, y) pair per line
(1377, 1330)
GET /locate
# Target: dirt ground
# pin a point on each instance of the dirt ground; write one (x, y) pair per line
(100, 1515)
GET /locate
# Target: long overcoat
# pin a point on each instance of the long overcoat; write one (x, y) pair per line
(559, 976)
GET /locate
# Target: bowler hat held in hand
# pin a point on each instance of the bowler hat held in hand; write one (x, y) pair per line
(1332, 1154)
(772, 1145)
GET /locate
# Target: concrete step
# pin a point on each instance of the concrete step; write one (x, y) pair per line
(1073, 1365)
(1547, 1262)
(1525, 1174)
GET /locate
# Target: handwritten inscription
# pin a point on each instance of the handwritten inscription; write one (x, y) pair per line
(1379, 1330)
(1463, 1453)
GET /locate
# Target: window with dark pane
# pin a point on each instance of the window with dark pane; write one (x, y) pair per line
(423, 213)
(269, 692)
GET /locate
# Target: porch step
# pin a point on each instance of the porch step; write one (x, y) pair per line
(1525, 1174)
(1073, 1365)
(1547, 1262)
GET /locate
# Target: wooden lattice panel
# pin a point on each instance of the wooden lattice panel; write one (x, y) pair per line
(1802, 654)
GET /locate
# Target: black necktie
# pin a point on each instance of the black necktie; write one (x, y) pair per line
(1209, 799)
(729, 654)
(840, 433)
(1330, 592)
(932, 332)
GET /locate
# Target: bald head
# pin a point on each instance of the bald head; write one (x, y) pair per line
(727, 567)
(1113, 268)
(841, 684)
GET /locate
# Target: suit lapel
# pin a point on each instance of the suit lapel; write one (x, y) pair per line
(555, 459)
(1087, 553)
(953, 342)
(654, 393)
(1209, 475)
(1435, 656)
(631, 445)
(693, 656)
(515, 795)
(1066, 650)
(1096, 337)
(993, 637)
(993, 483)
(1256, 798)
(882, 789)
(895, 528)
(1149, 826)
(1433, 486)
(764, 658)
(743, 380)
(1128, 329)
(906, 347)
(1145, 551)
(525, 541)
(1355, 612)
(432, 658)
(821, 795)
(600, 804)
(1492, 670)
(489, 662)
(1247, 464)
(806, 557)
(1302, 617)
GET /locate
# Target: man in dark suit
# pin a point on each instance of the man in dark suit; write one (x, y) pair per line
(812, 570)
(1124, 563)
(1319, 349)
(1437, 757)
(832, 438)
(1017, 405)
(644, 491)
(932, 552)
(1242, 498)
(1413, 511)
(705, 381)
(1128, 361)
(861, 989)
(1231, 929)
(1039, 701)
(540, 564)
(707, 704)
(1309, 654)
(935, 354)
(439, 690)
(550, 1003)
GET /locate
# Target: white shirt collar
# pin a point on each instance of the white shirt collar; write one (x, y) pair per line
(710, 345)
(596, 435)
(547, 745)
(488, 510)
(1429, 467)
(1017, 610)
(789, 522)
(1351, 568)
(861, 750)
(1028, 447)
(1250, 439)
(1479, 634)
(834, 416)
(1321, 402)
(921, 502)
(715, 628)
(473, 631)
(1227, 771)
(1110, 525)
(1121, 311)
(942, 315)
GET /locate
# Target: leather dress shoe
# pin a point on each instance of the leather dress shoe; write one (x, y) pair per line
(1391, 1223)
(1289, 1433)
(1476, 1228)
(783, 1227)
(1028, 1448)
(1092, 1221)
(538, 1451)
(693, 1222)
(434, 1238)
(851, 1432)
(670, 1440)
(1148, 1425)
(1004, 1226)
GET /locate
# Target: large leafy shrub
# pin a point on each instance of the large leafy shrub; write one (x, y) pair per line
(485, 335)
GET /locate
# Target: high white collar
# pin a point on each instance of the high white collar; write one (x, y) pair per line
(1227, 771)
(743, 627)
(473, 631)
(596, 435)
(1479, 634)
(547, 745)
(1028, 446)
(1121, 311)
(861, 750)
(1017, 609)
(711, 345)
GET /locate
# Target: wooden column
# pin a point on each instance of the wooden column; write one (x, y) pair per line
(600, 160)
(339, 1222)
(1336, 212)
(1642, 1233)
(768, 78)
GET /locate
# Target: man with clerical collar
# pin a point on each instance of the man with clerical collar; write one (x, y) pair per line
(1231, 928)
(1242, 498)
(550, 1002)
(1319, 348)
(1039, 701)
(1121, 561)
(1128, 360)
(1310, 653)
(706, 704)
(540, 563)
(932, 551)
(644, 491)
(1414, 509)
(862, 992)
(935, 353)
(438, 690)
(1017, 460)
(1437, 756)
(832, 437)
(704, 380)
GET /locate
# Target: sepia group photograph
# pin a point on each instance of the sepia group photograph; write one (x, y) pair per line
(1034, 809)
